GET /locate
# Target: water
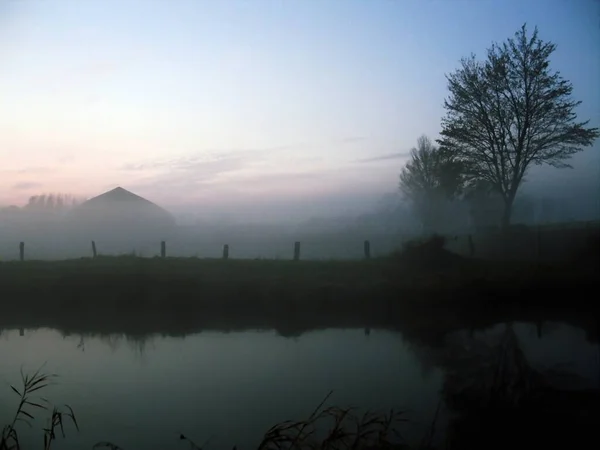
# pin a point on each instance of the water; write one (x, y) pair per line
(231, 387)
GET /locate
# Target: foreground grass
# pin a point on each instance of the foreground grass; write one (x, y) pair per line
(345, 428)
(219, 278)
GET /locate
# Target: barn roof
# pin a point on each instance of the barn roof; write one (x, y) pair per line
(121, 201)
(117, 194)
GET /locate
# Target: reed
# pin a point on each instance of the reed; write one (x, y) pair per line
(514, 404)
(346, 427)
(28, 404)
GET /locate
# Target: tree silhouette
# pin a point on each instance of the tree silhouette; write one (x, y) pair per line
(509, 112)
(430, 179)
(52, 202)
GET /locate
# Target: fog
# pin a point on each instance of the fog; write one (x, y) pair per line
(61, 226)
(291, 126)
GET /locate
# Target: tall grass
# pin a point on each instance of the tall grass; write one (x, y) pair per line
(28, 403)
(326, 428)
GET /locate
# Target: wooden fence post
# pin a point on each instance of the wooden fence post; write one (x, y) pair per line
(226, 251)
(94, 254)
(22, 251)
(471, 246)
(367, 249)
(163, 249)
(296, 251)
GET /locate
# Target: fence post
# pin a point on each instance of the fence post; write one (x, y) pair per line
(94, 254)
(471, 246)
(163, 249)
(22, 251)
(367, 249)
(296, 251)
(226, 251)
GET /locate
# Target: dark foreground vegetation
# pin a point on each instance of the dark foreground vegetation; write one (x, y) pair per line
(348, 430)
(422, 289)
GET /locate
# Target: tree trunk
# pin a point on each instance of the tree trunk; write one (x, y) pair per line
(507, 213)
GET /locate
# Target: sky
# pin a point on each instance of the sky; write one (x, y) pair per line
(228, 105)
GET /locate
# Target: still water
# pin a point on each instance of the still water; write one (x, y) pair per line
(231, 387)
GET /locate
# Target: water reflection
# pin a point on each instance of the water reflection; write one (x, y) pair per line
(140, 393)
(518, 384)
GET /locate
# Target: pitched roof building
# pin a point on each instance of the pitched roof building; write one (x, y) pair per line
(119, 215)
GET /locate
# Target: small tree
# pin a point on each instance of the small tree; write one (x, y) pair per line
(510, 112)
(429, 180)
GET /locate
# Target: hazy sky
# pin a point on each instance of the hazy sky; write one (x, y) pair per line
(231, 102)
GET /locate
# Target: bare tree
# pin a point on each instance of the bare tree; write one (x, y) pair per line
(509, 112)
(429, 179)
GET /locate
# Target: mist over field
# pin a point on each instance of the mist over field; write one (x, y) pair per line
(284, 127)
(328, 228)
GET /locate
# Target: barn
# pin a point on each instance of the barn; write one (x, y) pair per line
(121, 220)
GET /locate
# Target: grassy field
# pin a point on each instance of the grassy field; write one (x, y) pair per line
(424, 289)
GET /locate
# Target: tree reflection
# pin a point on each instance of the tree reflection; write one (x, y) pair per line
(495, 398)
(137, 344)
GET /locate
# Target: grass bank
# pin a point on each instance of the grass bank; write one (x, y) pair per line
(424, 290)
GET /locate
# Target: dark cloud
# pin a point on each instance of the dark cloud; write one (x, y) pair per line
(398, 155)
(26, 185)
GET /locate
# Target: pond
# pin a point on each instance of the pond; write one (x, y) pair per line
(232, 387)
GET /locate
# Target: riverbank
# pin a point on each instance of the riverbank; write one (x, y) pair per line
(141, 296)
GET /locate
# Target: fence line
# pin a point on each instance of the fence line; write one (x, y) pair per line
(531, 243)
(225, 254)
